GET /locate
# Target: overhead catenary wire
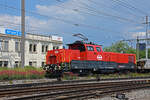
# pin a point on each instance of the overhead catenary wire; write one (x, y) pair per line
(130, 7)
(74, 23)
(92, 9)
(107, 14)
(29, 28)
(95, 12)
(98, 4)
(17, 24)
(63, 20)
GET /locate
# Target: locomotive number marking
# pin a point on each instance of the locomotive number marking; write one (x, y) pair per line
(99, 57)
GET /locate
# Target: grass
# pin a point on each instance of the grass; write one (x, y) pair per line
(70, 76)
(38, 73)
(116, 75)
(21, 73)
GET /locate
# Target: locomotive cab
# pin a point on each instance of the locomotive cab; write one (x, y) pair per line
(88, 51)
(78, 45)
(93, 52)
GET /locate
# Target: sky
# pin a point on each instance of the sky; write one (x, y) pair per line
(102, 21)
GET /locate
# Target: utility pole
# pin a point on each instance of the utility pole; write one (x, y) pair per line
(147, 37)
(137, 45)
(23, 33)
(137, 48)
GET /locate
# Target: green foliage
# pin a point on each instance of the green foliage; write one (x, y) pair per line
(120, 47)
(123, 75)
(29, 68)
(142, 54)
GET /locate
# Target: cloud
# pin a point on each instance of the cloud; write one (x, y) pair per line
(42, 24)
(63, 10)
(138, 34)
(139, 27)
(10, 21)
(14, 22)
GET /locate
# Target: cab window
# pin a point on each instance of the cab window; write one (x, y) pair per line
(98, 49)
(90, 48)
(81, 48)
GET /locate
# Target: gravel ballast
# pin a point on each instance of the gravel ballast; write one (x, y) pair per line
(143, 94)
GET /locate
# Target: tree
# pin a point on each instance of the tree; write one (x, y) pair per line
(143, 54)
(120, 47)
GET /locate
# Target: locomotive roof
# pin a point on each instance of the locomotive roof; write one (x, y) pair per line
(82, 42)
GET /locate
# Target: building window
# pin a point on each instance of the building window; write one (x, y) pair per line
(33, 63)
(30, 63)
(43, 63)
(17, 64)
(1, 45)
(17, 46)
(3, 63)
(4, 45)
(32, 47)
(44, 48)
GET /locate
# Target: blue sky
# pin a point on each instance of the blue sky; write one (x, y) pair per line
(102, 21)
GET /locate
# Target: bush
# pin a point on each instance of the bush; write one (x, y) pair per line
(21, 73)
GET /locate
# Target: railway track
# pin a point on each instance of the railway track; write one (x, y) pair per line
(73, 91)
(64, 82)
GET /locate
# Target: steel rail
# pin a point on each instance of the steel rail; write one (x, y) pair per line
(20, 91)
(64, 82)
(70, 92)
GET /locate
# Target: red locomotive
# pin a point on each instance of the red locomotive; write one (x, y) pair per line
(83, 57)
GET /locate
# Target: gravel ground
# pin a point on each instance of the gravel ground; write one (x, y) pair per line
(26, 81)
(11, 82)
(133, 95)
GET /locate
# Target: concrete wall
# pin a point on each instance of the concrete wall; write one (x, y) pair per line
(12, 56)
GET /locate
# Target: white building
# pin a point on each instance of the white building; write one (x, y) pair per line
(36, 47)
